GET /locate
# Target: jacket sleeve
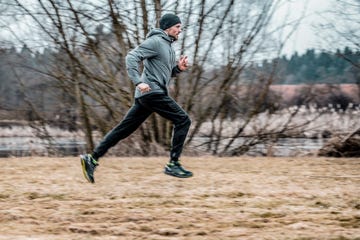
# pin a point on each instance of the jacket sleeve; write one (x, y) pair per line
(137, 55)
(175, 71)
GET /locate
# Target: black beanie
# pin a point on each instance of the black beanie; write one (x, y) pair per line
(169, 20)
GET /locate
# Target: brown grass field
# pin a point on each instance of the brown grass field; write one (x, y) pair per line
(228, 198)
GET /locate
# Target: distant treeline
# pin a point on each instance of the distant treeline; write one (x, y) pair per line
(314, 68)
(25, 77)
(27, 88)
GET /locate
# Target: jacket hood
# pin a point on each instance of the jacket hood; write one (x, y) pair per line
(159, 32)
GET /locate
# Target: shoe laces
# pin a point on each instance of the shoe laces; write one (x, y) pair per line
(93, 161)
(175, 163)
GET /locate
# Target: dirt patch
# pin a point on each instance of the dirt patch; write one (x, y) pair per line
(228, 198)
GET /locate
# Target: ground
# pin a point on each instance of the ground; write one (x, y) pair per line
(228, 198)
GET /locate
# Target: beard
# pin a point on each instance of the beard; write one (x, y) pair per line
(173, 38)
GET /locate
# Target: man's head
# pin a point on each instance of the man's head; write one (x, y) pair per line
(171, 24)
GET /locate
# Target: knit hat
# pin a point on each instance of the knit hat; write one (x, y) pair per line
(169, 20)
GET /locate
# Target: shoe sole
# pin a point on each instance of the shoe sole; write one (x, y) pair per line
(83, 166)
(178, 176)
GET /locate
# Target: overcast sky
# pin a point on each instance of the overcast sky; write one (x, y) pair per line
(306, 35)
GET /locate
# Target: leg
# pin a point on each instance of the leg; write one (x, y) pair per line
(136, 115)
(166, 107)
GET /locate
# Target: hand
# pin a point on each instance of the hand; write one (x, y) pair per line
(183, 63)
(143, 87)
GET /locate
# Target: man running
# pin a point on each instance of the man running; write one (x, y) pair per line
(151, 95)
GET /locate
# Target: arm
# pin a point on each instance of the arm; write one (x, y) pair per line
(181, 66)
(137, 55)
(175, 71)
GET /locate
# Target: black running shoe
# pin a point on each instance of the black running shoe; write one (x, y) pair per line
(88, 164)
(175, 169)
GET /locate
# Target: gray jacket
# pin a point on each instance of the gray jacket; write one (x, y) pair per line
(159, 62)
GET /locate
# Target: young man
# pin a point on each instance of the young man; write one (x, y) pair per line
(151, 95)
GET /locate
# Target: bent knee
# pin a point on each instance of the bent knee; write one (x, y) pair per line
(186, 121)
(183, 121)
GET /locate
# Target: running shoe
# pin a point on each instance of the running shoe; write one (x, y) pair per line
(175, 169)
(89, 165)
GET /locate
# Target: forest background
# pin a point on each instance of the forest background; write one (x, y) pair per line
(68, 77)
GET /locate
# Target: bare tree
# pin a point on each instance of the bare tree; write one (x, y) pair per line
(342, 25)
(221, 38)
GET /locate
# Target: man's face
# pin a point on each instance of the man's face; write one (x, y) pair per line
(174, 31)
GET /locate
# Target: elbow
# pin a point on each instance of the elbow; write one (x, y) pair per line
(128, 59)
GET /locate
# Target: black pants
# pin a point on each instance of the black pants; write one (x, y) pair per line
(142, 108)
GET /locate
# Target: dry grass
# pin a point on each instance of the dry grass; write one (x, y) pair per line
(228, 198)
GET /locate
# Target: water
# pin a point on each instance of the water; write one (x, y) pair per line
(27, 146)
(293, 146)
(65, 146)
(284, 147)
